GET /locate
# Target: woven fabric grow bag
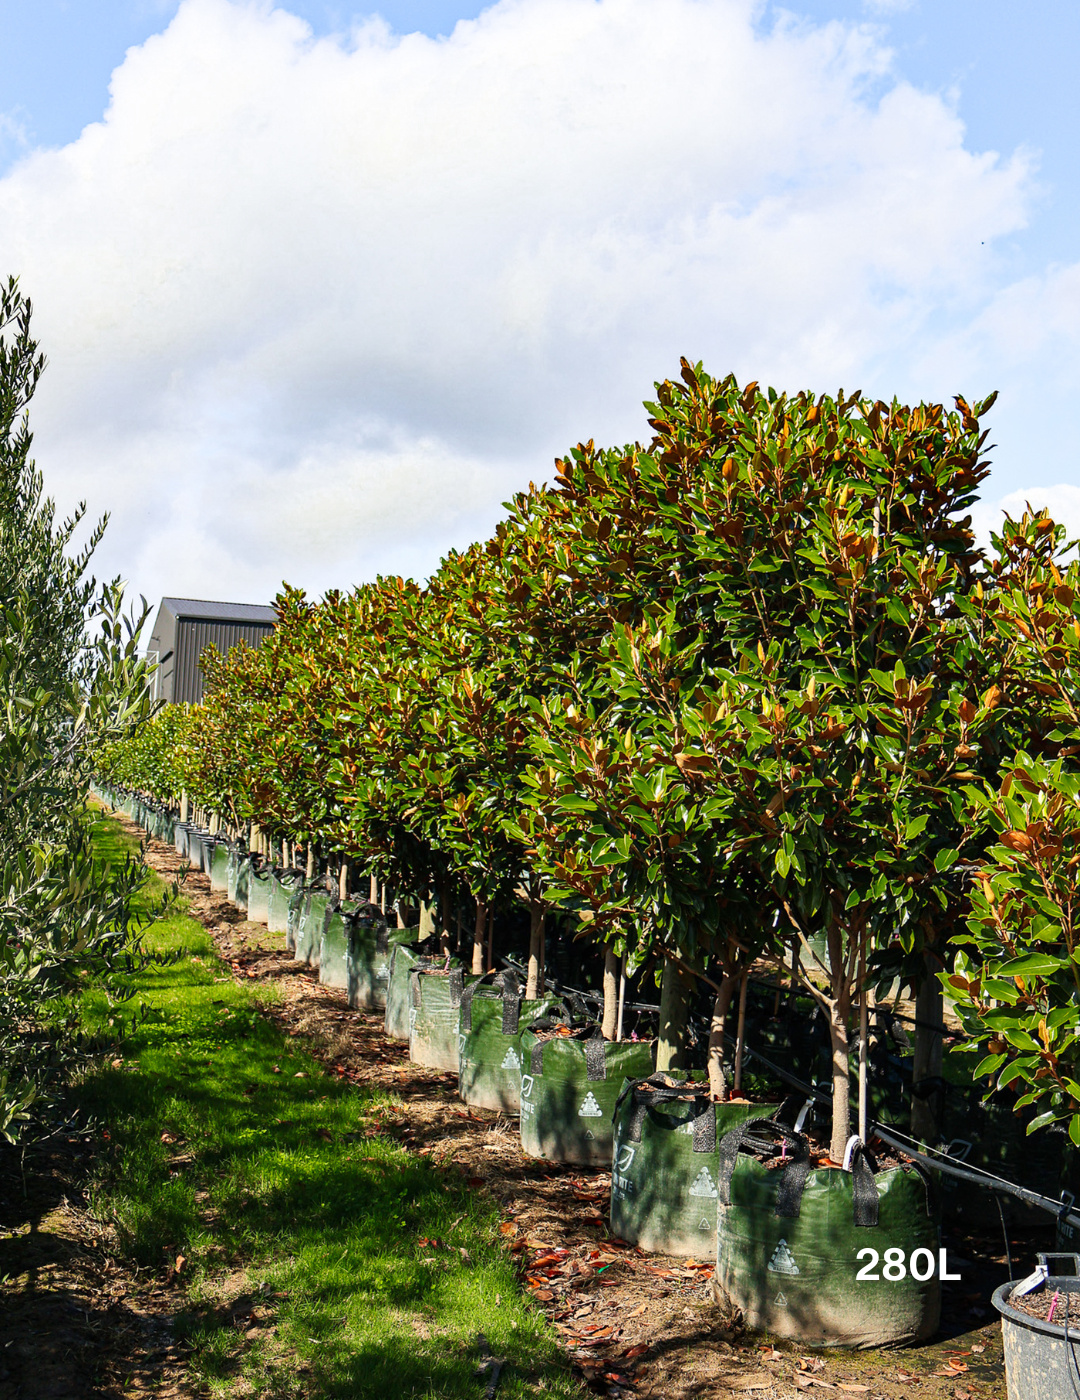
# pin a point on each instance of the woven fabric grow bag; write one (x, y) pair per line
(237, 861)
(219, 868)
(180, 837)
(493, 1014)
(370, 951)
(258, 908)
(1037, 1361)
(337, 936)
(403, 958)
(209, 846)
(435, 1003)
(195, 848)
(312, 923)
(282, 888)
(664, 1163)
(568, 1091)
(788, 1246)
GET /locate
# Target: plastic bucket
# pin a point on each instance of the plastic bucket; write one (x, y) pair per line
(664, 1163)
(568, 1092)
(1037, 1364)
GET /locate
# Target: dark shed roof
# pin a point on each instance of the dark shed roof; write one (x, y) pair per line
(225, 612)
(185, 627)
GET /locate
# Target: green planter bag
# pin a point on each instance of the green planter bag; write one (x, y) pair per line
(664, 1163)
(194, 849)
(489, 1058)
(824, 1256)
(569, 1086)
(219, 868)
(258, 909)
(435, 1003)
(311, 925)
(238, 866)
(370, 951)
(403, 958)
(334, 948)
(282, 889)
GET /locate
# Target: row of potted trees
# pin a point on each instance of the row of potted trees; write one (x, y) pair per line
(748, 695)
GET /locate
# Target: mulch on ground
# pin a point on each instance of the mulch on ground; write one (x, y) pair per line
(634, 1324)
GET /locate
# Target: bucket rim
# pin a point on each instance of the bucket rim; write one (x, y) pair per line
(1008, 1313)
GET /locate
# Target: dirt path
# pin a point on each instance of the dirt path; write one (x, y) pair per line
(634, 1323)
(77, 1324)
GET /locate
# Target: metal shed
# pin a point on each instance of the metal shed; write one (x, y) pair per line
(186, 626)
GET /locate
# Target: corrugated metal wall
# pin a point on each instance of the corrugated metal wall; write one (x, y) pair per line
(193, 636)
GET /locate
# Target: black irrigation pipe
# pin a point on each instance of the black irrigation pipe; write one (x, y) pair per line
(1061, 1210)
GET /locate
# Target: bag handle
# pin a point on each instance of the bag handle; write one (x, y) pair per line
(864, 1194)
(657, 1089)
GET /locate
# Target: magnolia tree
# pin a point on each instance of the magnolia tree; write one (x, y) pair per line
(1016, 983)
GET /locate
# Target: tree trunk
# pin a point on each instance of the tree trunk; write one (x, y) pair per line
(740, 1032)
(926, 1061)
(674, 1016)
(183, 806)
(841, 1084)
(310, 866)
(373, 892)
(839, 1016)
(444, 916)
(491, 940)
(478, 939)
(535, 982)
(611, 993)
(427, 920)
(717, 1083)
(343, 882)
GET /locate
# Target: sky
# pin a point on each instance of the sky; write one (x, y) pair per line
(320, 289)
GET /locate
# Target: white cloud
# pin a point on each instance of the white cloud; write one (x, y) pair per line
(315, 308)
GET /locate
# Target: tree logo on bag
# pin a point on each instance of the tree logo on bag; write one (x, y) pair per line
(782, 1261)
(625, 1157)
(511, 1060)
(526, 1086)
(703, 1184)
(590, 1108)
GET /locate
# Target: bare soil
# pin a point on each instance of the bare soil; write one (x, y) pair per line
(634, 1324)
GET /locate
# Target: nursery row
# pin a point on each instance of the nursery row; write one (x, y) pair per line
(748, 696)
(742, 1179)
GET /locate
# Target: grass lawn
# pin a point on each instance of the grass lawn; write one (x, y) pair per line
(229, 1147)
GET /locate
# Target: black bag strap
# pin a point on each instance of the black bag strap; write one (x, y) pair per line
(511, 1000)
(793, 1178)
(596, 1056)
(658, 1089)
(536, 1058)
(864, 1191)
(457, 983)
(467, 999)
(414, 983)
